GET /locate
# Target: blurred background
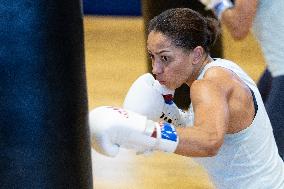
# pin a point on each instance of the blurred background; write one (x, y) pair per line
(115, 55)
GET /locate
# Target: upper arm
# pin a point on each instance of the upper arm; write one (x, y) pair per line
(211, 112)
(239, 19)
(211, 118)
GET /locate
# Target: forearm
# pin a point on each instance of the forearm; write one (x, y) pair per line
(239, 18)
(197, 142)
(237, 24)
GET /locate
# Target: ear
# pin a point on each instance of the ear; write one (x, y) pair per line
(197, 54)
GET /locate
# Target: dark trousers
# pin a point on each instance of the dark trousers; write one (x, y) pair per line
(272, 92)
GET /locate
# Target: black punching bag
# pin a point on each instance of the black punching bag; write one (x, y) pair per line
(44, 134)
(152, 8)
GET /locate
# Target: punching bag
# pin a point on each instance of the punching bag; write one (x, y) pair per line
(44, 134)
(151, 8)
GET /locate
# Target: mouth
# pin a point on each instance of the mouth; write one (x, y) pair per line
(161, 82)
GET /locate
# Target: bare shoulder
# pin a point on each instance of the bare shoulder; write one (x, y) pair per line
(205, 91)
(219, 73)
(217, 82)
(221, 91)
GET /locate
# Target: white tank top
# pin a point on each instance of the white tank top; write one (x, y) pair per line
(248, 159)
(268, 28)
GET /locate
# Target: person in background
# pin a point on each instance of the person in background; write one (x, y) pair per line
(265, 18)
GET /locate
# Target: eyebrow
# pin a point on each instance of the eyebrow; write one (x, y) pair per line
(160, 52)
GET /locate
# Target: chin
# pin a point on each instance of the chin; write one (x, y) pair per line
(177, 86)
(171, 87)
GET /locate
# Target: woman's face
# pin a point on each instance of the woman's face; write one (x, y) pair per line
(171, 65)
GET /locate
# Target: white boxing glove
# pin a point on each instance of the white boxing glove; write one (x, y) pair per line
(171, 113)
(148, 97)
(144, 98)
(218, 6)
(112, 128)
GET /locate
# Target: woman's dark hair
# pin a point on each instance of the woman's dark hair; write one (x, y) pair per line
(186, 28)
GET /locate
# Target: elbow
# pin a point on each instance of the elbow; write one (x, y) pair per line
(239, 35)
(212, 152)
(239, 30)
(214, 147)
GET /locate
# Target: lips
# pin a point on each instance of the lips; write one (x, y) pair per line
(162, 82)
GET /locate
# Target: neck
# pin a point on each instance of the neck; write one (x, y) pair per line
(206, 60)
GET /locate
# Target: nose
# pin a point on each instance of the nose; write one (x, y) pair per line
(157, 68)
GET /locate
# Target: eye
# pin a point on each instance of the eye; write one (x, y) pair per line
(151, 56)
(164, 58)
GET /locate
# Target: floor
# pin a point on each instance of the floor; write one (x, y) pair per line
(115, 57)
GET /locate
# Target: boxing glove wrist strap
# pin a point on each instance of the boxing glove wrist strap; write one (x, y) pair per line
(221, 7)
(165, 133)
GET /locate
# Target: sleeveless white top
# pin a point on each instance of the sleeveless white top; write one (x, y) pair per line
(248, 159)
(268, 27)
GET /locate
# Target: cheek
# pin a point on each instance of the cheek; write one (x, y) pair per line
(176, 77)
